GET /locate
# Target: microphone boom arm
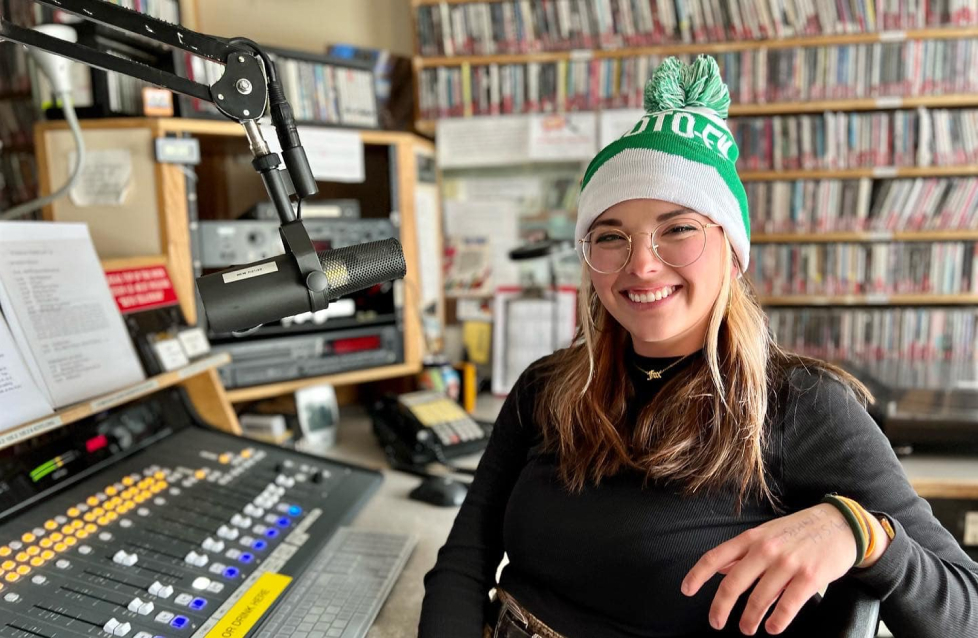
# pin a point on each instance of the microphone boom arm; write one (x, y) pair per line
(241, 94)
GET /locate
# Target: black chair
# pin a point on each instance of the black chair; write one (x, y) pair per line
(847, 610)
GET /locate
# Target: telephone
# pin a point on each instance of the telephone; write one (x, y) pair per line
(424, 427)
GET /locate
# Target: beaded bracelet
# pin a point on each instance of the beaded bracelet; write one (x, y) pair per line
(854, 523)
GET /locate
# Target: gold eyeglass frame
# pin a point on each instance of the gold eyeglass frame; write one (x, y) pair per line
(585, 240)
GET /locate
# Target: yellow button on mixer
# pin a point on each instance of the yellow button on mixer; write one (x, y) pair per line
(57, 536)
(22, 557)
(45, 542)
(73, 512)
(111, 491)
(98, 511)
(5, 551)
(104, 520)
(37, 561)
(50, 525)
(12, 577)
(91, 528)
(33, 550)
(225, 458)
(78, 523)
(200, 474)
(127, 481)
(67, 529)
(111, 516)
(89, 517)
(70, 541)
(160, 475)
(7, 565)
(81, 534)
(92, 501)
(246, 453)
(47, 554)
(28, 537)
(23, 570)
(60, 547)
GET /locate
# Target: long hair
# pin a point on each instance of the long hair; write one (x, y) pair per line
(705, 428)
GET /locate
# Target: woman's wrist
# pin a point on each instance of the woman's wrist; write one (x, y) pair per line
(882, 542)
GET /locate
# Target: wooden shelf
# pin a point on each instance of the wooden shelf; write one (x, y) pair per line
(79, 411)
(693, 48)
(871, 300)
(879, 172)
(864, 236)
(257, 392)
(945, 488)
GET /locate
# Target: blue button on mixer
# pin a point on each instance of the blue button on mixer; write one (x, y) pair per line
(259, 545)
(283, 522)
(271, 533)
(246, 557)
(197, 604)
(295, 510)
(179, 622)
(231, 572)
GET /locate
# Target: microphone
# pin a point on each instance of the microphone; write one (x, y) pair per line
(243, 297)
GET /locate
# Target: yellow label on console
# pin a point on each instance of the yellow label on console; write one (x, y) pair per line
(250, 607)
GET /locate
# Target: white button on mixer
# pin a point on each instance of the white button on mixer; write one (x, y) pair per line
(211, 545)
(84, 550)
(217, 568)
(143, 634)
(122, 629)
(201, 583)
(105, 536)
(233, 554)
(215, 587)
(63, 564)
(125, 523)
(195, 559)
(241, 521)
(39, 580)
(227, 532)
(259, 529)
(124, 558)
(159, 500)
(165, 592)
(146, 609)
(247, 541)
(142, 511)
(154, 589)
(110, 625)
(15, 545)
(11, 597)
(183, 600)
(164, 617)
(134, 604)
(251, 510)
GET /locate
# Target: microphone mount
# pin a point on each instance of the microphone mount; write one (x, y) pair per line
(241, 94)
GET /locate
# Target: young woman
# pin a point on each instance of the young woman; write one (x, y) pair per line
(667, 474)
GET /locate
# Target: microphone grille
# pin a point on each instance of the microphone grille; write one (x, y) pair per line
(360, 266)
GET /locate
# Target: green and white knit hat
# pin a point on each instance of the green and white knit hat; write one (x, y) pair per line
(681, 151)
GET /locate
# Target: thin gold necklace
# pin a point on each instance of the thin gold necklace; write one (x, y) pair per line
(657, 374)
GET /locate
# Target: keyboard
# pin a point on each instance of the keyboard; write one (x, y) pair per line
(343, 589)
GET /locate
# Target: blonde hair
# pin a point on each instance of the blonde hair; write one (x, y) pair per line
(704, 429)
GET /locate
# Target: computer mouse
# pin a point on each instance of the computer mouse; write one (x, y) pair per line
(441, 491)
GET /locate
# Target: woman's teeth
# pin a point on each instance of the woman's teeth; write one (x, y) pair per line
(652, 296)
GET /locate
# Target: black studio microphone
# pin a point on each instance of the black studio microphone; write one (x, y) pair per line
(243, 297)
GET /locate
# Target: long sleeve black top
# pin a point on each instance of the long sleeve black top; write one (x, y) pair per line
(609, 561)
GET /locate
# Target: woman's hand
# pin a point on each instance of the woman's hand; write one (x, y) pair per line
(792, 557)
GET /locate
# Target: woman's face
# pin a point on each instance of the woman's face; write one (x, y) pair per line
(676, 323)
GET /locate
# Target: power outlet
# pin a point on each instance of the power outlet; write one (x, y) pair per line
(971, 528)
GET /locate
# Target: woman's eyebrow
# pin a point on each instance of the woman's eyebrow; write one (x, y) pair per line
(611, 221)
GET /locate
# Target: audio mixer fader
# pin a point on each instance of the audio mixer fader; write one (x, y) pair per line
(139, 523)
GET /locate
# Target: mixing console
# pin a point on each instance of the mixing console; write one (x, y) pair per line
(141, 524)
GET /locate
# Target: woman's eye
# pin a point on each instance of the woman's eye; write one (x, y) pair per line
(680, 229)
(608, 238)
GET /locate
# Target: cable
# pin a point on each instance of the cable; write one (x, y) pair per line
(31, 206)
(269, 65)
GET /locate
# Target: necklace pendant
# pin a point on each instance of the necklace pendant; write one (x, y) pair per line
(653, 374)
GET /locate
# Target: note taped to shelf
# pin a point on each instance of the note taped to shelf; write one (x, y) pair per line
(105, 179)
(482, 141)
(564, 137)
(334, 155)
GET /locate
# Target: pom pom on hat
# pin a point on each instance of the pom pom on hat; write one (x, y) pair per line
(676, 85)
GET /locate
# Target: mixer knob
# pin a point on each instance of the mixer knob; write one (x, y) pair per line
(160, 590)
(195, 559)
(211, 545)
(241, 521)
(122, 629)
(110, 626)
(134, 604)
(317, 477)
(146, 608)
(166, 591)
(226, 532)
(284, 481)
(121, 557)
(251, 510)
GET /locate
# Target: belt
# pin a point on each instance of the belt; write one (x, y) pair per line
(516, 622)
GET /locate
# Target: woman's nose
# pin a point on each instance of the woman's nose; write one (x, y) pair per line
(643, 259)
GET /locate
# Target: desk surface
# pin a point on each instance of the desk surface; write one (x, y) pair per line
(391, 509)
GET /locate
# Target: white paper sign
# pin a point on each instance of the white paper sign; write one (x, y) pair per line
(562, 138)
(170, 354)
(20, 399)
(61, 313)
(105, 178)
(194, 342)
(482, 141)
(616, 123)
(334, 155)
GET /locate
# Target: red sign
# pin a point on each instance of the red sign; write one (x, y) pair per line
(143, 288)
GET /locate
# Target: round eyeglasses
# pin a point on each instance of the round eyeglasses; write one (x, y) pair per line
(676, 243)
